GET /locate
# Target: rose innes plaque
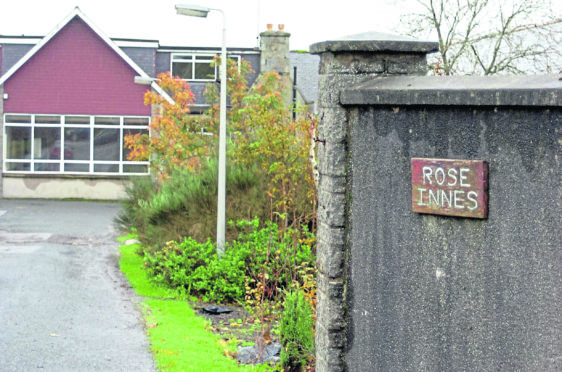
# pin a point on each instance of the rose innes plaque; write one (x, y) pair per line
(450, 187)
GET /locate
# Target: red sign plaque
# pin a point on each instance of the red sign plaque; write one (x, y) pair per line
(450, 187)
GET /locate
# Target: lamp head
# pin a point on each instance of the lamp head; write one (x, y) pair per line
(144, 80)
(192, 10)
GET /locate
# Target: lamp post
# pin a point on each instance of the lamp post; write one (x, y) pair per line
(199, 11)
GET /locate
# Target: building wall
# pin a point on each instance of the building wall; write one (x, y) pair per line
(11, 54)
(57, 188)
(163, 64)
(145, 58)
(57, 79)
(307, 74)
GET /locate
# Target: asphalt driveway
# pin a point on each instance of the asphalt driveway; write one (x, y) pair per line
(64, 304)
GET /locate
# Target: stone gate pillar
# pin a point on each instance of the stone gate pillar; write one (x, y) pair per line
(344, 63)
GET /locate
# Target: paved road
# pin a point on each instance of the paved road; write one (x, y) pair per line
(64, 305)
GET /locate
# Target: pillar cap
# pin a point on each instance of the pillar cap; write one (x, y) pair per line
(375, 42)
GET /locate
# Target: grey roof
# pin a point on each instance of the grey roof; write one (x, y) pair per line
(528, 90)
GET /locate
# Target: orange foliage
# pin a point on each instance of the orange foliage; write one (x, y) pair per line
(176, 138)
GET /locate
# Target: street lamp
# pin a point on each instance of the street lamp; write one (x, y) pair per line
(199, 11)
(145, 80)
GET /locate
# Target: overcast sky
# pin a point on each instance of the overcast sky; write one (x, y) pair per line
(308, 21)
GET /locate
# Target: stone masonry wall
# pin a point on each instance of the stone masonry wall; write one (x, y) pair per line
(343, 64)
(274, 46)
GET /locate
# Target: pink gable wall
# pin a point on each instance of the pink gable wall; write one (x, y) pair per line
(76, 72)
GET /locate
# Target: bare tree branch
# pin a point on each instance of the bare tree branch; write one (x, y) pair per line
(514, 30)
(486, 37)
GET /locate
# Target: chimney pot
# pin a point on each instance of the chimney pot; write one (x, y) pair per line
(281, 27)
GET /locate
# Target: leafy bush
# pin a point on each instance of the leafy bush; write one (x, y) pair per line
(297, 332)
(193, 268)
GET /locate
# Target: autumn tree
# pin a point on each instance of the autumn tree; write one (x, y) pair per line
(264, 134)
(489, 37)
(269, 137)
(176, 138)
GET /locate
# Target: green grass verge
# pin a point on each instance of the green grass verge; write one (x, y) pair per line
(180, 339)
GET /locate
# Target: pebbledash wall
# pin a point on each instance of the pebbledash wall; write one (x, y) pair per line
(404, 291)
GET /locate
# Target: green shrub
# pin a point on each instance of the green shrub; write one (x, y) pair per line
(185, 204)
(297, 332)
(193, 268)
(139, 189)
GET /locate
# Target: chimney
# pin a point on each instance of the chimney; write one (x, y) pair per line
(274, 46)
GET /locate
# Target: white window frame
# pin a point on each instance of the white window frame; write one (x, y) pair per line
(61, 125)
(201, 58)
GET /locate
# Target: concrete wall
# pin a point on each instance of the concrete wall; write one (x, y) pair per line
(402, 291)
(34, 187)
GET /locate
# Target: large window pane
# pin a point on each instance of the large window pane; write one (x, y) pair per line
(77, 143)
(46, 143)
(18, 142)
(183, 70)
(106, 144)
(204, 71)
(133, 132)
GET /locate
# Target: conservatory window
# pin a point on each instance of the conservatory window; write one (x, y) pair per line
(71, 144)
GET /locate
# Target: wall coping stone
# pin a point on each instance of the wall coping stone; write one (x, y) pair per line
(537, 90)
(375, 42)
